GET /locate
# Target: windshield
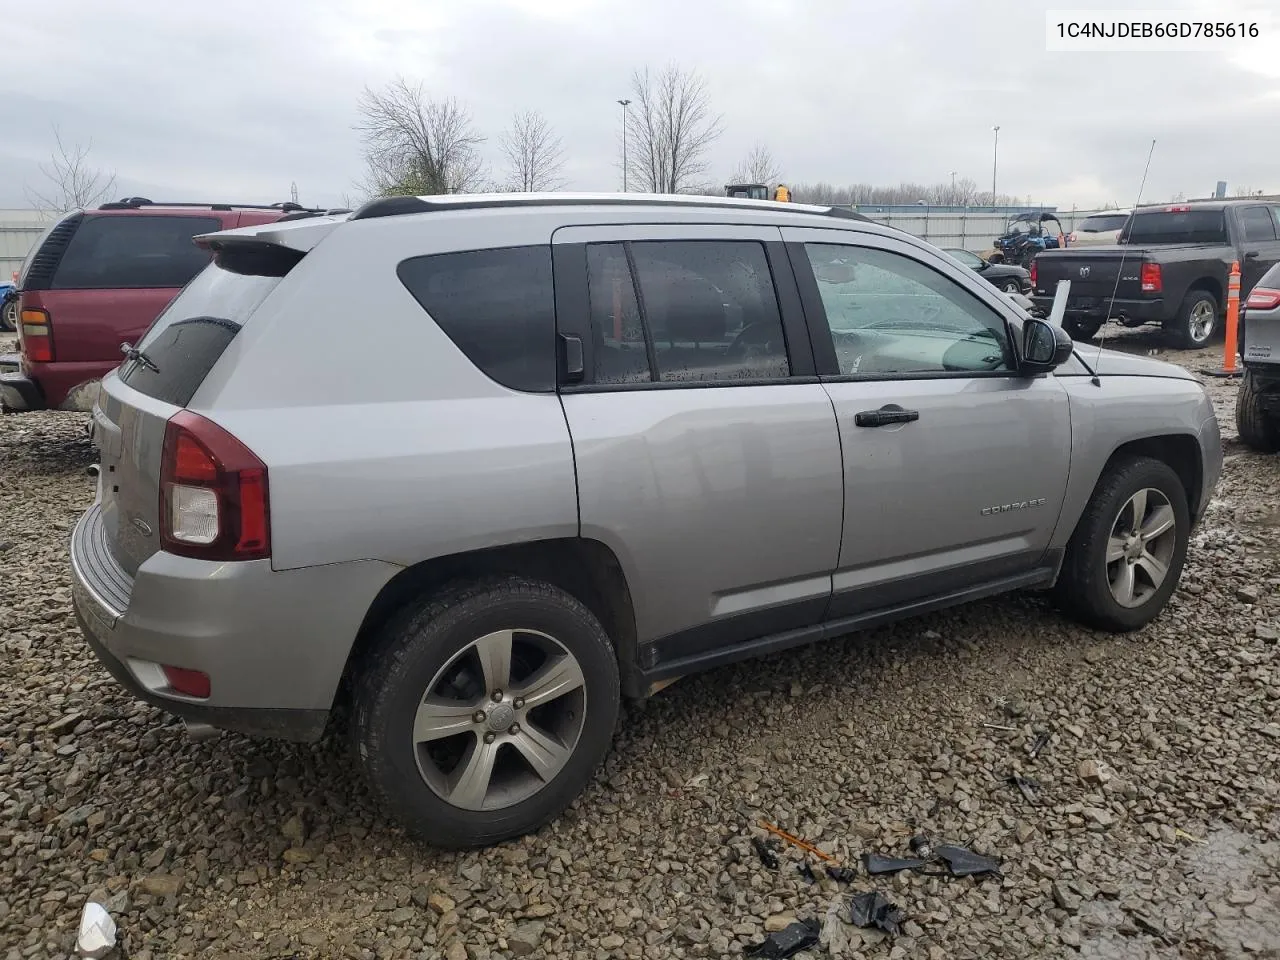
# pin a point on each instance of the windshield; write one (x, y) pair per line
(1176, 226)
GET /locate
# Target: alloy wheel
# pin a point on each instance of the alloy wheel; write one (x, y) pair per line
(1201, 322)
(1141, 546)
(500, 720)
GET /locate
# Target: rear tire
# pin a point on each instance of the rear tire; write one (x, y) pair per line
(1258, 429)
(525, 764)
(1110, 572)
(1011, 286)
(1196, 321)
(9, 316)
(1081, 330)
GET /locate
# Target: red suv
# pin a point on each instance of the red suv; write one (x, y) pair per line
(96, 280)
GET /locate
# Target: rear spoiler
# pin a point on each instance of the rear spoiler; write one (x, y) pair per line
(269, 249)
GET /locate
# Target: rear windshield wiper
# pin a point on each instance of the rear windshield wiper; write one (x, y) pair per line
(133, 353)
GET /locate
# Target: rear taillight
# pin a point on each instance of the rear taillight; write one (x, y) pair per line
(36, 335)
(1034, 272)
(1263, 298)
(1151, 279)
(213, 493)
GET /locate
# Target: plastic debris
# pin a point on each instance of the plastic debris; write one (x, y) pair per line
(1026, 786)
(1039, 744)
(1181, 834)
(806, 871)
(796, 841)
(960, 861)
(963, 862)
(97, 935)
(873, 909)
(842, 874)
(766, 855)
(787, 942)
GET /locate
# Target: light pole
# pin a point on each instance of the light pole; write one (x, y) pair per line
(624, 104)
(995, 159)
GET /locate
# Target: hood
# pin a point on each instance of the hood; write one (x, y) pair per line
(1116, 364)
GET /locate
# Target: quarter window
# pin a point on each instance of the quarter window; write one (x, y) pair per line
(684, 312)
(497, 306)
(891, 315)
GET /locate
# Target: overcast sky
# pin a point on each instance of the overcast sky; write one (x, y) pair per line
(237, 99)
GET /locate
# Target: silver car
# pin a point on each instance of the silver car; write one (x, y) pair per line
(548, 451)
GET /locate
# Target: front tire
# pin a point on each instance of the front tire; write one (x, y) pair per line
(1196, 321)
(1258, 429)
(1125, 557)
(485, 709)
(9, 316)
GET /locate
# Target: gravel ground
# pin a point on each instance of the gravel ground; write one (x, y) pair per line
(1157, 833)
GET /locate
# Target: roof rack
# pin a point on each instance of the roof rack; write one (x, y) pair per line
(399, 206)
(133, 203)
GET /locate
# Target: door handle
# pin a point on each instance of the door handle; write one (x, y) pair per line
(889, 413)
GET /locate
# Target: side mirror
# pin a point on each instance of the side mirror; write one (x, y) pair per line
(1045, 346)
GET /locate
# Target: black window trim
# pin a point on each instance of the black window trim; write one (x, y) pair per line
(573, 315)
(824, 349)
(55, 287)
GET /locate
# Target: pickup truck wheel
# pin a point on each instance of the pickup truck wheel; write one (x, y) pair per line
(1081, 330)
(1196, 321)
(483, 710)
(1011, 286)
(9, 315)
(1125, 557)
(1258, 429)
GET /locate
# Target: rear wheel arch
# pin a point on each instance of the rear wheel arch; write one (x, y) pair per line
(1210, 286)
(585, 569)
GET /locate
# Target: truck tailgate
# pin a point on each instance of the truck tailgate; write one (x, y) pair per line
(1092, 272)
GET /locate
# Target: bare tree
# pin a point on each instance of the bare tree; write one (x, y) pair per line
(758, 166)
(669, 129)
(72, 182)
(535, 155)
(416, 145)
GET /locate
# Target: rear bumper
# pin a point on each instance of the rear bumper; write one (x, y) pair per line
(1147, 311)
(17, 391)
(67, 385)
(274, 644)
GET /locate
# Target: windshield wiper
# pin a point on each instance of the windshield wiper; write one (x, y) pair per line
(133, 353)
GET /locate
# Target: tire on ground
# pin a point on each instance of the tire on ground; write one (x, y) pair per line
(1258, 429)
(1179, 329)
(416, 644)
(1083, 590)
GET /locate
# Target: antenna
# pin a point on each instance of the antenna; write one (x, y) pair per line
(1120, 271)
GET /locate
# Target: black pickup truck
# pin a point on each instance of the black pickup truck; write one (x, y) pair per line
(1170, 267)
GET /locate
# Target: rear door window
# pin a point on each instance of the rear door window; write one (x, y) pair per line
(497, 306)
(186, 340)
(1257, 223)
(706, 311)
(138, 252)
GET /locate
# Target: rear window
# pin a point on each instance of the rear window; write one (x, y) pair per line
(1186, 226)
(1103, 222)
(116, 252)
(497, 306)
(186, 340)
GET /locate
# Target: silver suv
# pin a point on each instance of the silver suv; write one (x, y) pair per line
(541, 452)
